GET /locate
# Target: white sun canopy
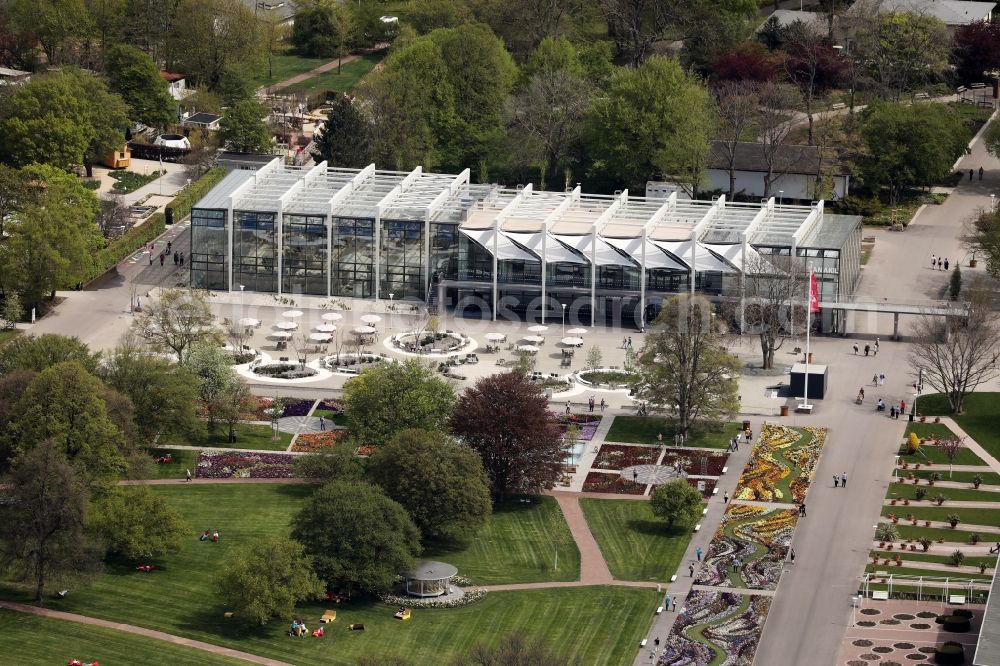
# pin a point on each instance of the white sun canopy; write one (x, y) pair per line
(555, 252)
(655, 257)
(505, 248)
(606, 255)
(733, 253)
(704, 259)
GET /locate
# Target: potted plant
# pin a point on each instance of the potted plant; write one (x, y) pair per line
(919, 494)
(927, 523)
(953, 519)
(892, 502)
(974, 538)
(982, 567)
(906, 502)
(925, 543)
(913, 547)
(916, 466)
(940, 499)
(934, 476)
(957, 557)
(977, 480)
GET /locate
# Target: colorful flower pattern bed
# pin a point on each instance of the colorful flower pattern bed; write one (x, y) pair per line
(729, 625)
(317, 441)
(261, 408)
(709, 486)
(218, 464)
(620, 456)
(777, 454)
(714, 462)
(331, 404)
(586, 423)
(599, 482)
(759, 539)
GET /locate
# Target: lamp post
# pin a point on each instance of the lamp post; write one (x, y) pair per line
(781, 195)
(564, 320)
(387, 324)
(993, 202)
(242, 311)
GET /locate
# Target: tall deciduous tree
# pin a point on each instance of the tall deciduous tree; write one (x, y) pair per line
(774, 123)
(815, 67)
(346, 136)
(322, 28)
(439, 481)
(982, 237)
(975, 50)
(266, 578)
(749, 62)
(63, 405)
(137, 523)
(677, 503)
(243, 128)
(42, 519)
(209, 37)
(736, 107)
(909, 145)
(771, 306)
(685, 367)
(505, 419)
(59, 25)
(175, 321)
(651, 121)
(133, 75)
(902, 50)
(391, 397)
(360, 538)
(38, 352)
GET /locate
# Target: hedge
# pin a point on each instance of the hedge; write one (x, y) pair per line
(155, 224)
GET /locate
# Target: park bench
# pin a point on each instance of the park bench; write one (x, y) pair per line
(838, 106)
(956, 598)
(804, 408)
(328, 616)
(960, 89)
(642, 643)
(921, 95)
(880, 595)
(977, 85)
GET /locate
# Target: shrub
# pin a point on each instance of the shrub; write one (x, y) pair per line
(920, 493)
(926, 543)
(956, 625)
(957, 557)
(940, 499)
(934, 476)
(886, 532)
(977, 480)
(912, 443)
(974, 538)
(950, 653)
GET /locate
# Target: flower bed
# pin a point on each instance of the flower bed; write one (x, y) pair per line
(314, 442)
(221, 464)
(364, 450)
(470, 597)
(759, 540)
(587, 424)
(620, 456)
(296, 407)
(597, 482)
(692, 461)
(709, 486)
(260, 408)
(330, 404)
(775, 454)
(732, 629)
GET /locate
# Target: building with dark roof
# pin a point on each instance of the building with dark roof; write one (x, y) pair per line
(800, 170)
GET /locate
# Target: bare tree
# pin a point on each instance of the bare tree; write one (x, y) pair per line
(736, 104)
(635, 25)
(237, 336)
(304, 348)
(175, 321)
(115, 217)
(775, 124)
(814, 66)
(950, 447)
(957, 356)
(771, 306)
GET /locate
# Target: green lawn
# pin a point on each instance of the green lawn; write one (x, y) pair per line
(929, 452)
(989, 478)
(910, 571)
(286, 65)
(644, 429)
(352, 72)
(8, 335)
(517, 546)
(969, 516)
(635, 544)
(917, 557)
(958, 535)
(183, 459)
(339, 419)
(30, 640)
(906, 491)
(248, 436)
(982, 413)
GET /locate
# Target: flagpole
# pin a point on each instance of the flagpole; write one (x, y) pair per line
(805, 397)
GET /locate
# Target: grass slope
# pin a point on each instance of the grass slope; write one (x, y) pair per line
(351, 73)
(183, 459)
(517, 546)
(30, 640)
(989, 478)
(248, 436)
(967, 516)
(982, 413)
(635, 544)
(970, 494)
(644, 429)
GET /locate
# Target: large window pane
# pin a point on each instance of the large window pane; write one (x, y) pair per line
(353, 260)
(304, 262)
(255, 251)
(402, 260)
(208, 257)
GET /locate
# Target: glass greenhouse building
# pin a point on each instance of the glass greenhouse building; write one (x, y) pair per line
(494, 252)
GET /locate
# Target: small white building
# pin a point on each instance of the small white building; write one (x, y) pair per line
(201, 120)
(177, 85)
(13, 77)
(798, 169)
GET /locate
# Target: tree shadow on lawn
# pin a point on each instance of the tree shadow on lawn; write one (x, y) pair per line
(653, 528)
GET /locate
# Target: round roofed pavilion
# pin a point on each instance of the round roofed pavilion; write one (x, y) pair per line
(428, 578)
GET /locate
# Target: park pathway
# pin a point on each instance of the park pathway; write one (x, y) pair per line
(142, 631)
(593, 569)
(305, 76)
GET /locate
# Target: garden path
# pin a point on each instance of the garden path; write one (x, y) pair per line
(972, 444)
(593, 569)
(590, 454)
(142, 631)
(941, 467)
(937, 566)
(964, 485)
(201, 482)
(305, 76)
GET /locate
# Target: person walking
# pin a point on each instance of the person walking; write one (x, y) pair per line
(182, 258)
(843, 480)
(791, 555)
(630, 342)
(836, 481)
(725, 497)
(874, 380)
(933, 261)
(691, 570)
(855, 348)
(603, 404)
(187, 474)
(971, 174)
(591, 402)
(698, 553)
(175, 257)
(902, 406)
(980, 173)
(946, 264)
(322, 423)
(161, 260)
(567, 406)
(802, 509)
(867, 349)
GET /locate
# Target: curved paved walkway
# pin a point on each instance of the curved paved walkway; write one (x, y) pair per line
(305, 76)
(142, 631)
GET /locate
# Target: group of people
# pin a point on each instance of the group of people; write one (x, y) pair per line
(178, 256)
(939, 262)
(627, 342)
(590, 403)
(840, 480)
(209, 535)
(300, 630)
(868, 349)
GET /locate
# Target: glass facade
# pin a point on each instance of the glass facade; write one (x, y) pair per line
(444, 251)
(255, 251)
(304, 257)
(402, 261)
(209, 256)
(353, 261)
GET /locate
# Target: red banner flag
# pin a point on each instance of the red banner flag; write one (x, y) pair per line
(813, 293)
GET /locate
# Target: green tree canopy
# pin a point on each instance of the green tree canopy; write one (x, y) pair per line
(901, 51)
(440, 482)
(677, 503)
(346, 137)
(59, 25)
(244, 128)
(909, 145)
(360, 538)
(266, 578)
(685, 367)
(177, 321)
(209, 37)
(137, 523)
(133, 75)
(391, 397)
(63, 405)
(506, 420)
(38, 352)
(42, 519)
(322, 28)
(652, 122)
(427, 15)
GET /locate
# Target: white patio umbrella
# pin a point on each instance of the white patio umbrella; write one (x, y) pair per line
(286, 325)
(281, 335)
(496, 337)
(320, 337)
(577, 331)
(531, 349)
(326, 328)
(291, 314)
(572, 341)
(332, 316)
(371, 319)
(534, 339)
(538, 328)
(364, 330)
(249, 321)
